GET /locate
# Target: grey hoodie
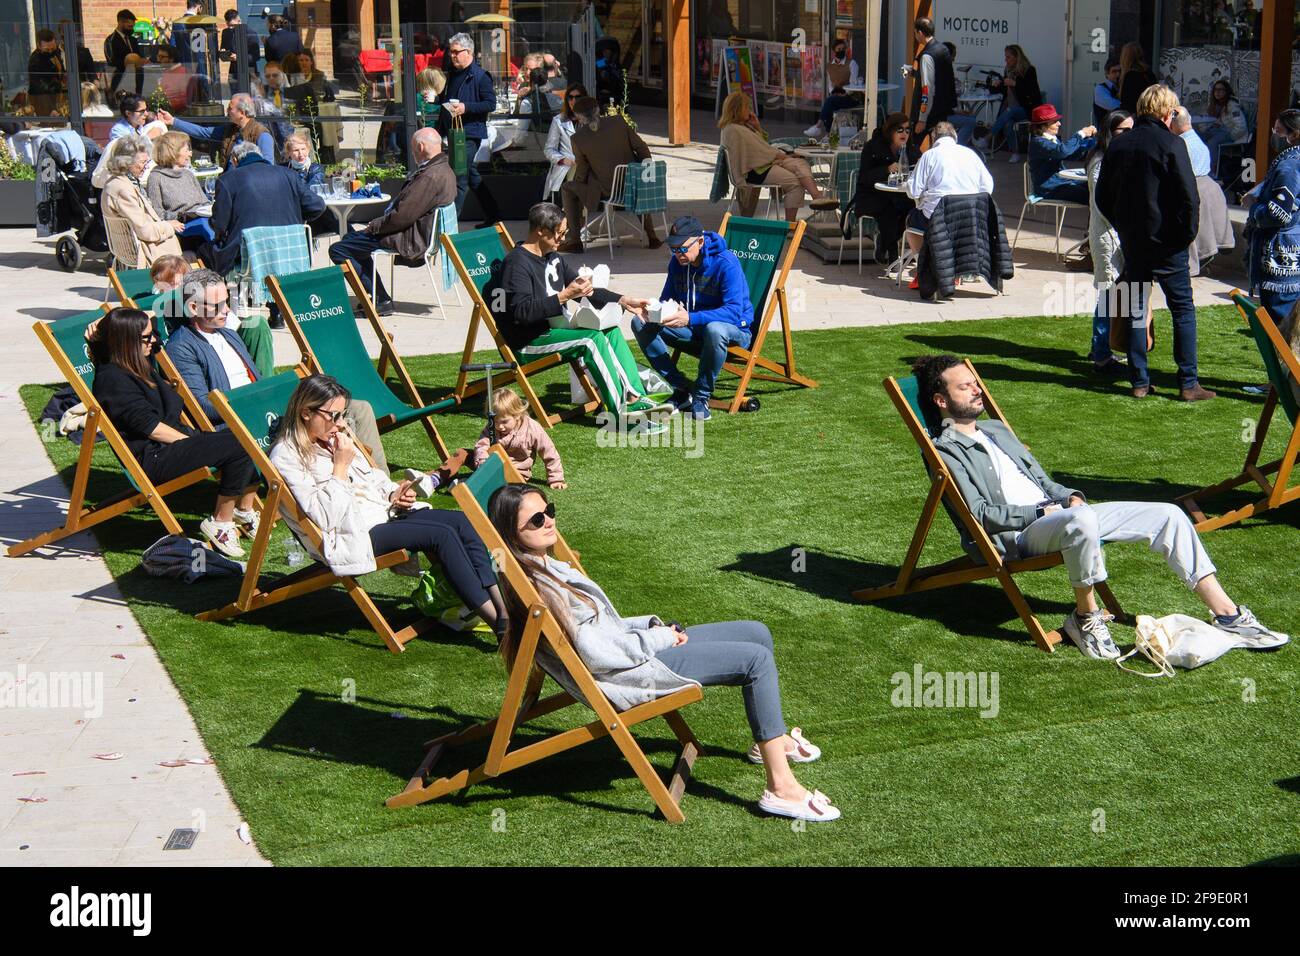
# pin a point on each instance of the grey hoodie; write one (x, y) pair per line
(175, 193)
(619, 652)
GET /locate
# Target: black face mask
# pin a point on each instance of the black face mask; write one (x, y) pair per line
(1279, 143)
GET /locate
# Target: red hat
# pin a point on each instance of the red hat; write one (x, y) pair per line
(1044, 114)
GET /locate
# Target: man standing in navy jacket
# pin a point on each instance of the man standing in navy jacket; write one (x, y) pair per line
(469, 95)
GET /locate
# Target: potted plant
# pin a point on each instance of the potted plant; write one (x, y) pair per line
(17, 190)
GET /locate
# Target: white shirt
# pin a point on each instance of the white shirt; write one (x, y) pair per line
(947, 168)
(1017, 487)
(235, 368)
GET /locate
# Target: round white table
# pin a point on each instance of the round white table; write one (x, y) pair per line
(342, 208)
(886, 188)
(979, 103)
(1074, 175)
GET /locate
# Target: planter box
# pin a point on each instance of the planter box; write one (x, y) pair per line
(515, 195)
(17, 202)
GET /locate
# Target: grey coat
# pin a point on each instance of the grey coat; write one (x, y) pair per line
(175, 193)
(619, 651)
(972, 469)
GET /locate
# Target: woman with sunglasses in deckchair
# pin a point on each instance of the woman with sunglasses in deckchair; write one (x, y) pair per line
(146, 411)
(638, 659)
(362, 512)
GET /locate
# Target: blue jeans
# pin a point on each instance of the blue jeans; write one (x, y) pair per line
(1009, 117)
(965, 126)
(1100, 351)
(1279, 305)
(1175, 281)
(708, 342)
(832, 105)
(358, 247)
(1215, 136)
(1066, 190)
(736, 653)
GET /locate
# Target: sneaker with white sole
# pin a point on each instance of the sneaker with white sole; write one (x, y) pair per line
(815, 807)
(1253, 633)
(246, 521)
(424, 483)
(815, 131)
(1091, 635)
(223, 536)
(700, 410)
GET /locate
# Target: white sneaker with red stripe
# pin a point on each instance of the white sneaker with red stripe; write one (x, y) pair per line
(223, 536)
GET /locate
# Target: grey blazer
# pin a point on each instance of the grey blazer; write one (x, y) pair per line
(972, 469)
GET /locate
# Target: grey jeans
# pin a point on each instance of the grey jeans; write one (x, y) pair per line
(1078, 533)
(734, 653)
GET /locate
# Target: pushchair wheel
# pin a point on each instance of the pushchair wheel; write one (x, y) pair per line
(68, 252)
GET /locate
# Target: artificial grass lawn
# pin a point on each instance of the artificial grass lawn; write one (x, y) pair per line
(1083, 764)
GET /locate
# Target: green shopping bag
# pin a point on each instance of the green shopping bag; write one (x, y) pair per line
(433, 594)
(459, 161)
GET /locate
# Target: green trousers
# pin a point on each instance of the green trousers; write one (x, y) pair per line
(256, 336)
(606, 355)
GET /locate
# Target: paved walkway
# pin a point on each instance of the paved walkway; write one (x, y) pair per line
(61, 611)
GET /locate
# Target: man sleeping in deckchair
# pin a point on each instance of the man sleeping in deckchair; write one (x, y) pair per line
(1026, 513)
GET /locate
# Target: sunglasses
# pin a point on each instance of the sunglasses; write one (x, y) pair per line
(678, 250)
(334, 417)
(539, 519)
(149, 336)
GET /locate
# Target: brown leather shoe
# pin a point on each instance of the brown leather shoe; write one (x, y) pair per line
(1142, 392)
(1195, 394)
(452, 466)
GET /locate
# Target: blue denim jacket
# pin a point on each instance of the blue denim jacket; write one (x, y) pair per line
(1047, 156)
(1273, 257)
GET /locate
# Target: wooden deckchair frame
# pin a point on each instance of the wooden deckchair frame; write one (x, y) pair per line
(482, 315)
(1279, 491)
(316, 576)
(80, 517)
(966, 569)
(746, 362)
(387, 354)
(116, 283)
(522, 704)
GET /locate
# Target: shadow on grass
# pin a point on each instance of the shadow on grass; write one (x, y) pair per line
(365, 733)
(1069, 369)
(971, 610)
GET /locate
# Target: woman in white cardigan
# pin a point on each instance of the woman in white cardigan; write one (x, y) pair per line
(124, 198)
(558, 149)
(362, 512)
(1107, 259)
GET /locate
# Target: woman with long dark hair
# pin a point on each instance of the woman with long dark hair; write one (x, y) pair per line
(1134, 76)
(1107, 258)
(146, 411)
(639, 659)
(361, 512)
(883, 155)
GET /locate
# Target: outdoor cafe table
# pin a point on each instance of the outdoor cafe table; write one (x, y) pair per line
(342, 207)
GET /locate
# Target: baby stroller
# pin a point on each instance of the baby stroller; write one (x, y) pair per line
(68, 203)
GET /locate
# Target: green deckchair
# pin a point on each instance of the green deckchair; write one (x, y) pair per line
(903, 392)
(315, 305)
(484, 250)
(63, 340)
(758, 243)
(523, 688)
(130, 284)
(252, 411)
(1283, 372)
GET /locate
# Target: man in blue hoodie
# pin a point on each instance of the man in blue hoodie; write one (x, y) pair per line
(469, 95)
(707, 282)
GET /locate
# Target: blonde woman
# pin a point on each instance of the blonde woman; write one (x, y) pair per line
(174, 190)
(124, 198)
(754, 161)
(361, 512)
(1020, 96)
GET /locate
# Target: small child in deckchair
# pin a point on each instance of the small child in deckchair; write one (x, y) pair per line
(522, 438)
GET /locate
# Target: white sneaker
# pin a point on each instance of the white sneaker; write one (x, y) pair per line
(223, 536)
(1253, 634)
(815, 808)
(981, 142)
(246, 521)
(815, 131)
(424, 483)
(1091, 635)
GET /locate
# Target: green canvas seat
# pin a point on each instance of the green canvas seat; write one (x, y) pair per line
(1283, 372)
(65, 341)
(252, 412)
(477, 256)
(766, 249)
(130, 283)
(904, 392)
(316, 307)
(522, 701)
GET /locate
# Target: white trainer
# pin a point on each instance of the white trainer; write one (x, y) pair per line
(1091, 635)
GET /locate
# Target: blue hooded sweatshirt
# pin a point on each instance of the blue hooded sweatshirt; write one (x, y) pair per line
(713, 289)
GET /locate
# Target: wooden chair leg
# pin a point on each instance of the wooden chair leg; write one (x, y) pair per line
(1046, 640)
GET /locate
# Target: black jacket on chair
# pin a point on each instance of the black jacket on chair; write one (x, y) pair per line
(965, 237)
(1148, 193)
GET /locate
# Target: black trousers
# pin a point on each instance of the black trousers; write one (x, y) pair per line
(448, 538)
(220, 449)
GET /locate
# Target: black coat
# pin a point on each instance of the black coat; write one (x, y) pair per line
(1134, 83)
(888, 209)
(135, 409)
(1028, 92)
(1148, 193)
(257, 194)
(965, 237)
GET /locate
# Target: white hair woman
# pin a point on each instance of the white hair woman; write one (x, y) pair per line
(124, 198)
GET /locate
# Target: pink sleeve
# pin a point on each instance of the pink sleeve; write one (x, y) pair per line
(549, 455)
(480, 450)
